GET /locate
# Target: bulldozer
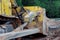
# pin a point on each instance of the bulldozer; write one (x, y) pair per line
(11, 11)
(18, 20)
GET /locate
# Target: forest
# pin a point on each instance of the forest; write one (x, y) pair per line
(52, 6)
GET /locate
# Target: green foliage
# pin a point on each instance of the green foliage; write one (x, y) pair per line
(28, 3)
(19, 2)
(52, 6)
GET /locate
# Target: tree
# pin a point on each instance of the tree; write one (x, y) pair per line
(28, 3)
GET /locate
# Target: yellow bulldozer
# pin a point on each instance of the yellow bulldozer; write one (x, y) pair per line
(7, 10)
(26, 17)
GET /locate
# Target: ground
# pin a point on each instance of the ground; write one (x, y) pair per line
(40, 36)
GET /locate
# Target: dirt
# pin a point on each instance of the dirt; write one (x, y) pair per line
(39, 36)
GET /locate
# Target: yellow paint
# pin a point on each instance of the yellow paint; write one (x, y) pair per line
(18, 9)
(6, 8)
(0, 7)
(32, 8)
(35, 9)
